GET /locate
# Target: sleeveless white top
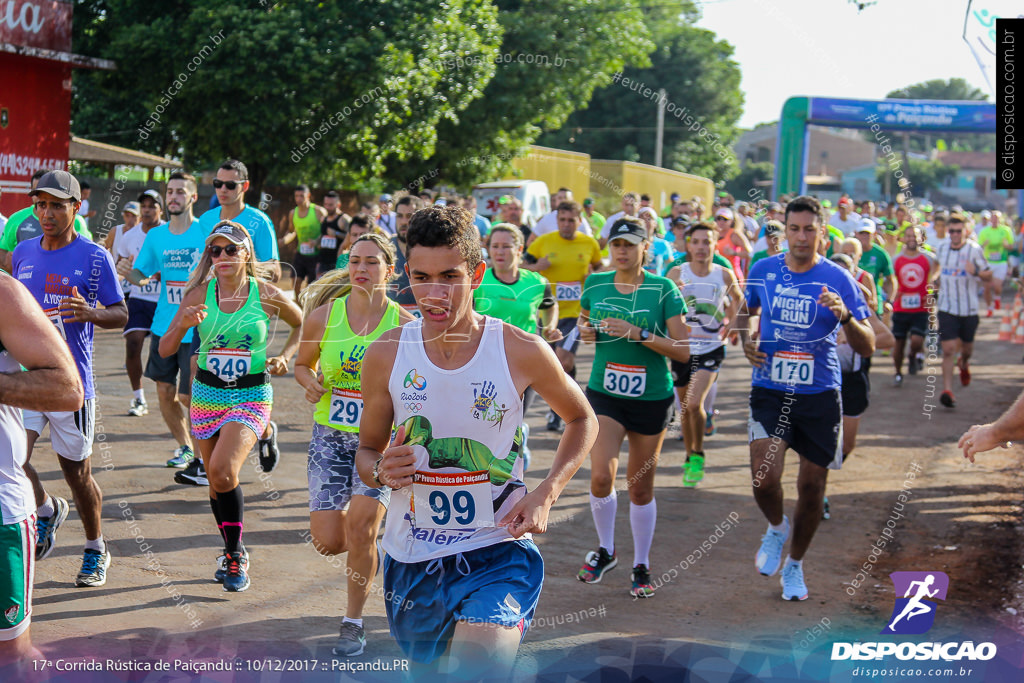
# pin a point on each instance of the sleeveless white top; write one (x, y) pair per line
(17, 502)
(464, 426)
(705, 307)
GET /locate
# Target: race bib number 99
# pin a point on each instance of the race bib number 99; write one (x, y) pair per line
(568, 291)
(792, 367)
(625, 380)
(346, 407)
(229, 364)
(456, 500)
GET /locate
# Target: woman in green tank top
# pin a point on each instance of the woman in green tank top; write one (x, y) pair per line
(231, 393)
(346, 310)
(518, 297)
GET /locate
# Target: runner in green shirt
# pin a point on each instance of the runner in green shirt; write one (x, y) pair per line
(636, 319)
(996, 241)
(517, 296)
(773, 235)
(595, 219)
(877, 262)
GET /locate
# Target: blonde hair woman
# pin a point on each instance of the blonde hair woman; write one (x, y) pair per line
(346, 310)
(231, 394)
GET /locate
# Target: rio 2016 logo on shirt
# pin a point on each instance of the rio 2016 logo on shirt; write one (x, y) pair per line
(415, 380)
(914, 612)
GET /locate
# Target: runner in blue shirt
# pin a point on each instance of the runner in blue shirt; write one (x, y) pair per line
(795, 400)
(74, 281)
(169, 254)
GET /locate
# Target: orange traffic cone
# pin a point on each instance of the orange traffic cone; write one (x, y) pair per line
(1006, 327)
(1018, 335)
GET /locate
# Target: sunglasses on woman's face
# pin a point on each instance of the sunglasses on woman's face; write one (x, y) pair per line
(230, 184)
(230, 250)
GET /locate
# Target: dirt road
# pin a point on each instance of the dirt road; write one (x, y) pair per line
(712, 614)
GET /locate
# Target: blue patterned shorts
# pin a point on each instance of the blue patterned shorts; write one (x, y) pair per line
(333, 478)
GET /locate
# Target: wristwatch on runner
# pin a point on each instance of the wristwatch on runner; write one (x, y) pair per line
(644, 336)
(376, 472)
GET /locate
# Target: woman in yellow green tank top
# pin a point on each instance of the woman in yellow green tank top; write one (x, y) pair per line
(231, 393)
(346, 310)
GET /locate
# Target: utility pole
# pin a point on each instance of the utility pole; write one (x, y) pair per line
(661, 127)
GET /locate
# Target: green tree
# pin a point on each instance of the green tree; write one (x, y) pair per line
(748, 177)
(703, 104)
(924, 175)
(358, 83)
(553, 55)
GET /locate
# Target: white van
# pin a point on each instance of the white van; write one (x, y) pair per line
(532, 193)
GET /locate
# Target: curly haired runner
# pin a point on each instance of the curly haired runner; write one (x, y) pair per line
(231, 393)
(346, 310)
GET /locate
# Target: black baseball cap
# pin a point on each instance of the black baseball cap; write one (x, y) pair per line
(627, 230)
(60, 184)
(154, 195)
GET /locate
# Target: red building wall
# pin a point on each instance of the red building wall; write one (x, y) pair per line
(35, 95)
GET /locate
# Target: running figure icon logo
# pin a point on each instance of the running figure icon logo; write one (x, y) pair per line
(914, 613)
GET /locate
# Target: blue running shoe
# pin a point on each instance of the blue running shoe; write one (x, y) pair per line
(793, 586)
(94, 568)
(46, 527)
(236, 578)
(769, 555)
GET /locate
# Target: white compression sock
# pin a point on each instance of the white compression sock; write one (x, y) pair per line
(642, 519)
(603, 510)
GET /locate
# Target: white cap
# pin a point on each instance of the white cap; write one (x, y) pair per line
(867, 225)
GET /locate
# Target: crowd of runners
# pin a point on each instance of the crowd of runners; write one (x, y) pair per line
(469, 320)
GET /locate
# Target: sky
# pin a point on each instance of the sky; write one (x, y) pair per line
(827, 48)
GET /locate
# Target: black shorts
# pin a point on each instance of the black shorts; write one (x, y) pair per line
(812, 424)
(710, 361)
(570, 335)
(962, 327)
(140, 316)
(305, 267)
(913, 323)
(636, 415)
(856, 388)
(170, 370)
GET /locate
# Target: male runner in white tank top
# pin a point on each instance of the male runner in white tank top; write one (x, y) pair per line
(50, 383)
(460, 564)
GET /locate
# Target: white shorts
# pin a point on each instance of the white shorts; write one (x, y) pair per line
(998, 270)
(70, 433)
